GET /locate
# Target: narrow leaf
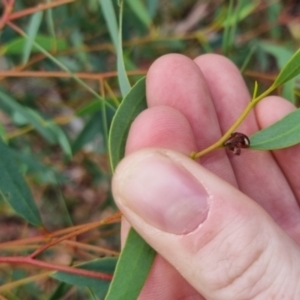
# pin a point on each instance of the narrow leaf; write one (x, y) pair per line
(282, 134)
(132, 269)
(131, 106)
(51, 24)
(137, 256)
(227, 28)
(63, 67)
(49, 130)
(32, 117)
(241, 12)
(104, 265)
(138, 8)
(111, 20)
(61, 139)
(14, 189)
(89, 132)
(91, 107)
(282, 55)
(33, 28)
(152, 7)
(288, 90)
(17, 45)
(116, 36)
(94, 105)
(122, 75)
(31, 165)
(290, 70)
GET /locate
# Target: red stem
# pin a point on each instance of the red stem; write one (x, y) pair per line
(7, 12)
(29, 261)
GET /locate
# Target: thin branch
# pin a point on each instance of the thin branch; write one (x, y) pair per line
(40, 7)
(30, 261)
(73, 234)
(59, 74)
(235, 125)
(9, 5)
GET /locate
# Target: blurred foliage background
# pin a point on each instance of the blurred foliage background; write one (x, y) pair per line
(55, 124)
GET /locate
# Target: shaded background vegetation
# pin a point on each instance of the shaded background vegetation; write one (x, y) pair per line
(64, 156)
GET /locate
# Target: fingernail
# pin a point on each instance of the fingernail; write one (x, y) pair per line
(164, 194)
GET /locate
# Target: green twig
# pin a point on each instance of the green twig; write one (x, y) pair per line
(235, 125)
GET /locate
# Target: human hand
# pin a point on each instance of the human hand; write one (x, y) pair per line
(226, 227)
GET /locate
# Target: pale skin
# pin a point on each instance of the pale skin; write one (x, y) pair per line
(244, 242)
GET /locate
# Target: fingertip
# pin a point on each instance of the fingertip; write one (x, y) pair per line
(227, 88)
(161, 126)
(271, 109)
(216, 60)
(171, 79)
(176, 81)
(168, 63)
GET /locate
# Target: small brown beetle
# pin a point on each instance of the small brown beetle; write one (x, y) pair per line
(237, 141)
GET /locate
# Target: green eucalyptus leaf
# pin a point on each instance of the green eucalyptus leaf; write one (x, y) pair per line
(17, 45)
(132, 268)
(282, 55)
(89, 132)
(139, 9)
(23, 115)
(111, 19)
(242, 12)
(288, 90)
(131, 106)
(32, 165)
(33, 28)
(61, 139)
(282, 134)
(90, 108)
(290, 70)
(94, 106)
(14, 189)
(122, 75)
(152, 7)
(116, 36)
(99, 287)
(32, 117)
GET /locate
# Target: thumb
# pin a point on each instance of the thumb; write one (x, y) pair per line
(222, 242)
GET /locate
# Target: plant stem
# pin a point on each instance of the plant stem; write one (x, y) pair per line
(27, 260)
(235, 125)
